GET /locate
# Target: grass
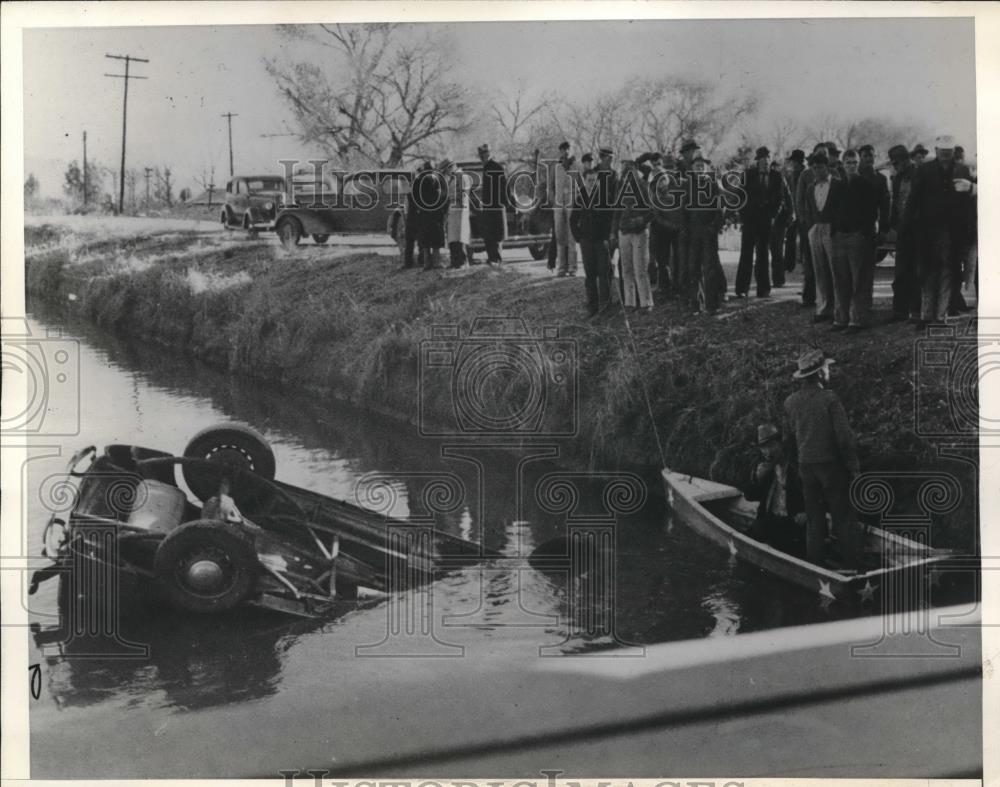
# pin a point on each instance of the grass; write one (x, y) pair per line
(666, 388)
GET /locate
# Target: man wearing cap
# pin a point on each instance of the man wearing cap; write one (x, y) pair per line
(905, 285)
(853, 227)
(938, 215)
(919, 154)
(781, 514)
(817, 206)
(827, 457)
(836, 166)
(560, 197)
(591, 222)
(702, 221)
(762, 200)
(492, 208)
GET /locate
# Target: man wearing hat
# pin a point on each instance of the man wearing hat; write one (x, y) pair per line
(919, 154)
(560, 193)
(431, 198)
(689, 150)
(817, 210)
(781, 514)
(702, 220)
(762, 200)
(803, 188)
(905, 285)
(833, 154)
(492, 207)
(937, 215)
(459, 233)
(792, 171)
(827, 456)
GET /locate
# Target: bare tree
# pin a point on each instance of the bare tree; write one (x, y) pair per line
(380, 96)
(522, 121)
(163, 190)
(207, 181)
(881, 133)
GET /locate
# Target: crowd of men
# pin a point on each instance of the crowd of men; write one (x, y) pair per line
(829, 214)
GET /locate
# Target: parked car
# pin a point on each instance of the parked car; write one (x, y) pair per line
(526, 228)
(360, 202)
(232, 535)
(252, 202)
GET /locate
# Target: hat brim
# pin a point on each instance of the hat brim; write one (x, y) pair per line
(799, 375)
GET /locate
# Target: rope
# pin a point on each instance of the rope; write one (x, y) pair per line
(642, 380)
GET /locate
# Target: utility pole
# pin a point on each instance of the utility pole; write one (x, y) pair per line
(229, 117)
(84, 169)
(149, 171)
(128, 59)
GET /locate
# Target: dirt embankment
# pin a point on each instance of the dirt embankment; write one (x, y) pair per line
(352, 326)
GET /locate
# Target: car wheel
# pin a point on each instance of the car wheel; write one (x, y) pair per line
(539, 251)
(319, 240)
(249, 227)
(234, 445)
(289, 233)
(224, 218)
(206, 566)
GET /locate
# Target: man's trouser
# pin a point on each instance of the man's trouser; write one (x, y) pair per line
(634, 250)
(853, 278)
(553, 250)
(821, 246)
(754, 244)
(777, 244)
(791, 246)
(597, 268)
(905, 284)
(431, 257)
(456, 250)
(409, 241)
(826, 487)
(934, 271)
(808, 275)
(659, 257)
(567, 251)
(703, 251)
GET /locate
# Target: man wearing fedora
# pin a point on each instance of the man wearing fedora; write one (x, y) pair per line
(492, 210)
(781, 516)
(762, 195)
(905, 285)
(937, 214)
(803, 188)
(919, 154)
(827, 457)
(792, 171)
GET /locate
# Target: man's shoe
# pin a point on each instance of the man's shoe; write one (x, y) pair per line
(817, 318)
(837, 327)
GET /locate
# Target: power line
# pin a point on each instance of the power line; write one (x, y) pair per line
(229, 117)
(126, 77)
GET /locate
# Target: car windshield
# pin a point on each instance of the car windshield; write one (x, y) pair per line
(266, 184)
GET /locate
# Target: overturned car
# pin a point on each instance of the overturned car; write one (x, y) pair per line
(238, 537)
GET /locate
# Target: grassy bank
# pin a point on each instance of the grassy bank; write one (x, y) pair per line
(353, 327)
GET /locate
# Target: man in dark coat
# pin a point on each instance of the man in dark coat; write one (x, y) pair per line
(702, 220)
(794, 167)
(410, 222)
(855, 209)
(905, 285)
(590, 223)
(431, 199)
(762, 189)
(938, 216)
(775, 483)
(781, 222)
(493, 207)
(803, 189)
(828, 460)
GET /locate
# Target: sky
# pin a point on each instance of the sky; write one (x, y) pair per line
(919, 69)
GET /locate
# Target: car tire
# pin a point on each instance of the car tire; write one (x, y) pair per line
(319, 240)
(234, 445)
(224, 219)
(206, 566)
(539, 251)
(289, 232)
(249, 227)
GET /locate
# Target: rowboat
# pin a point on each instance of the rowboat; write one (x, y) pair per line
(723, 515)
(212, 529)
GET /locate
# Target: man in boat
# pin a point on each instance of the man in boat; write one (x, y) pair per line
(828, 459)
(781, 515)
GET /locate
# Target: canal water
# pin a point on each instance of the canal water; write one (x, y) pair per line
(181, 710)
